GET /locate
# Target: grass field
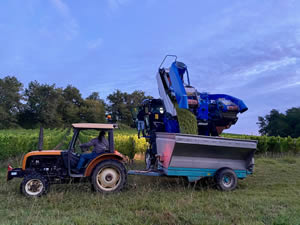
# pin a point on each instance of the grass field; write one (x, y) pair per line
(270, 196)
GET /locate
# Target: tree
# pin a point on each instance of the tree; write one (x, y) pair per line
(42, 102)
(10, 101)
(117, 105)
(121, 104)
(70, 102)
(293, 119)
(95, 96)
(279, 124)
(92, 111)
(72, 95)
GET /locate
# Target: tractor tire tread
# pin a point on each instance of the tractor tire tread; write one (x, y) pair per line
(116, 164)
(34, 175)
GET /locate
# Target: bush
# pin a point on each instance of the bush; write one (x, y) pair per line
(291, 144)
(297, 149)
(125, 145)
(274, 144)
(262, 145)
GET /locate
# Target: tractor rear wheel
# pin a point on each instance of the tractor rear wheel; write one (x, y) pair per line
(109, 176)
(34, 185)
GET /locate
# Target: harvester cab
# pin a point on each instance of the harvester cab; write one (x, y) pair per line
(154, 115)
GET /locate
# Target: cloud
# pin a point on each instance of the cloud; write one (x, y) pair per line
(94, 44)
(62, 7)
(127, 78)
(293, 83)
(71, 27)
(115, 5)
(267, 66)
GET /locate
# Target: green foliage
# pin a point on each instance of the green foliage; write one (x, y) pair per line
(274, 144)
(42, 102)
(297, 149)
(70, 102)
(15, 142)
(121, 103)
(271, 144)
(126, 145)
(46, 105)
(187, 121)
(279, 124)
(262, 144)
(124, 127)
(10, 97)
(92, 111)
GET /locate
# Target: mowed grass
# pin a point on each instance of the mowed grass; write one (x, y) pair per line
(270, 196)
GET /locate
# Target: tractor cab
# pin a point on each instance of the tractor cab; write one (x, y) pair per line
(71, 156)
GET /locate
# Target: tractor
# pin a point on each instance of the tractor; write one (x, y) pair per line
(106, 172)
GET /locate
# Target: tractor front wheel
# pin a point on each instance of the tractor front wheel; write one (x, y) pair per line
(109, 176)
(34, 185)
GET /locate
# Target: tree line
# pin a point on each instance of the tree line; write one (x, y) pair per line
(44, 105)
(280, 124)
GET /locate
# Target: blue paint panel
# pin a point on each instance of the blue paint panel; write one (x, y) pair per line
(199, 172)
(202, 112)
(146, 173)
(175, 75)
(193, 179)
(171, 125)
(241, 105)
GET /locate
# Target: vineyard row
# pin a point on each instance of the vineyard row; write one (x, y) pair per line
(16, 142)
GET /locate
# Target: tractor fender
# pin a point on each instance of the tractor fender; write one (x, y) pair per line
(116, 156)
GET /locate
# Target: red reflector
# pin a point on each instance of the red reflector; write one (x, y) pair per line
(9, 168)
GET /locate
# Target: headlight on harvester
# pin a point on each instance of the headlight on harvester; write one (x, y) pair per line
(161, 110)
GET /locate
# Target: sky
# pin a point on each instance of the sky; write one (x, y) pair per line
(249, 49)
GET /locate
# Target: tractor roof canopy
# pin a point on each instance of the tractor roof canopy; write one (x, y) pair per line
(94, 126)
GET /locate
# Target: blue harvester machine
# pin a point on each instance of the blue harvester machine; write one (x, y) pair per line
(194, 156)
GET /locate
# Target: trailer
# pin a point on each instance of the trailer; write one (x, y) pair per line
(195, 157)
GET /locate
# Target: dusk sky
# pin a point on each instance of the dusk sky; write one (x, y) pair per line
(249, 49)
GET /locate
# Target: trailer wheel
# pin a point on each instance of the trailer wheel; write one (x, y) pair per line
(109, 176)
(34, 185)
(226, 179)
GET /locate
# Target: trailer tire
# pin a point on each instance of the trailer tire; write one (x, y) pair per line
(34, 185)
(109, 176)
(226, 179)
